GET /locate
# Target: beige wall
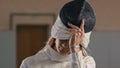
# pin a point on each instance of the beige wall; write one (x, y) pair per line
(107, 12)
(27, 6)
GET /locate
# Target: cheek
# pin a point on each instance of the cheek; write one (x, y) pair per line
(67, 43)
(64, 45)
(61, 43)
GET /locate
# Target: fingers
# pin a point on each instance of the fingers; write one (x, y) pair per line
(82, 25)
(77, 33)
(72, 31)
(75, 27)
(72, 26)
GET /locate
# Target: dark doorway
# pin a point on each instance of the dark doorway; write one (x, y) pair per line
(30, 39)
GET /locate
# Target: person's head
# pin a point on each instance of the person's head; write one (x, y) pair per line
(73, 12)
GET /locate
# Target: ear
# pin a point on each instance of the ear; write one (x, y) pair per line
(51, 41)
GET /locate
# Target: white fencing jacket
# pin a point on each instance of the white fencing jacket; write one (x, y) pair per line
(49, 58)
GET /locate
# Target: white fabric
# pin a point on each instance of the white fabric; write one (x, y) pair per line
(86, 40)
(58, 32)
(48, 58)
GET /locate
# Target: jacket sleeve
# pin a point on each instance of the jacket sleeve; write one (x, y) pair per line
(25, 64)
(89, 62)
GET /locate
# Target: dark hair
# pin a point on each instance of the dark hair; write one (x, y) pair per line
(74, 11)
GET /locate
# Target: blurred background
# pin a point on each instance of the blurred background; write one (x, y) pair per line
(25, 27)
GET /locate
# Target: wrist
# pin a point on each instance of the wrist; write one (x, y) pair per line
(75, 48)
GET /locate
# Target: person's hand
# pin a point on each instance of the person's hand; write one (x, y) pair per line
(75, 40)
(77, 33)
